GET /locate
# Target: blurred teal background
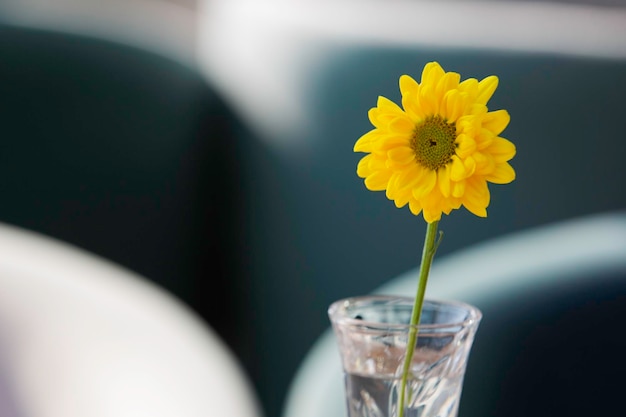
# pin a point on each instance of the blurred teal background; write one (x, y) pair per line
(212, 152)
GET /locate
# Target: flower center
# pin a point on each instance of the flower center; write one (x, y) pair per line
(433, 142)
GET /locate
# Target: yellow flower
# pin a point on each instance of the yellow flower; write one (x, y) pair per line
(440, 149)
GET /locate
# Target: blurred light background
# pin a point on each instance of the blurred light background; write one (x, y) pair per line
(267, 217)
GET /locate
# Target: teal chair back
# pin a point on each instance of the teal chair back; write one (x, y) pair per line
(116, 150)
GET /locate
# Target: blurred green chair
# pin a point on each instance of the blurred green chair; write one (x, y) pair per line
(127, 154)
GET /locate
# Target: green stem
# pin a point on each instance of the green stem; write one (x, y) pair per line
(428, 253)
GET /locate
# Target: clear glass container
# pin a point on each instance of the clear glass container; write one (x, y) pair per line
(372, 333)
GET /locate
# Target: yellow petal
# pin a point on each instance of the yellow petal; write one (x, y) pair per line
(470, 166)
(484, 163)
(458, 189)
(470, 86)
(387, 142)
(427, 101)
(431, 215)
(401, 124)
(362, 168)
(415, 207)
(408, 86)
(449, 81)
(496, 121)
(378, 180)
(502, 150)
(467, 146)
(411, 177)
(468, 124)
(402, 198)
(426, 185)
(478, 109)
(364, 143)
(486, 88)
(454, 203)
(479, 191)
(376, 163)
(475, 209)
(378, 118)
(502, 174)
(431, 74)
(392, 187)
(443, 179)
(401, 155)
(384, 113)
(476, 197)
(457, 173)
(387, 106)
(432, 205)
(454, 105)
(413, 108)
(484, 138)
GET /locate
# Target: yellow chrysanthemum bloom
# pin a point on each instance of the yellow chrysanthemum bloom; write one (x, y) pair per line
(438, 152)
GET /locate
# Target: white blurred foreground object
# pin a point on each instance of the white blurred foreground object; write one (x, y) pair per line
(82, 337)
(586, 253)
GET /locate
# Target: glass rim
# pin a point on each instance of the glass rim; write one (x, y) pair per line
(337, 307)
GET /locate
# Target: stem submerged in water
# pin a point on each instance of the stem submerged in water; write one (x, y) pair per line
(428, 253)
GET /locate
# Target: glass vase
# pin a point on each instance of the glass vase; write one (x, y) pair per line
(372, 333)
